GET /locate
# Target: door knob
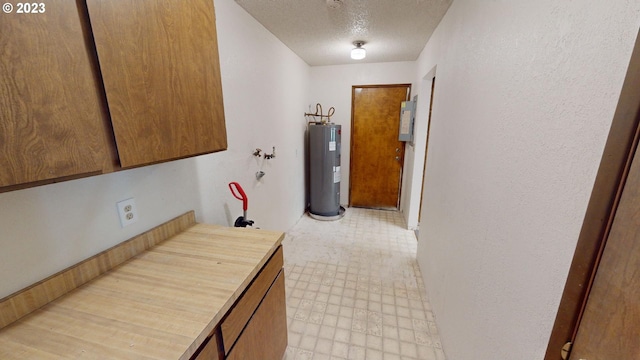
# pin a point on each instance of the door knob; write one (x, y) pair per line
(398, 158)
(397, 150)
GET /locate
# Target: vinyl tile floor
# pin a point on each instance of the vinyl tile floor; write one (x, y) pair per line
(354, 290)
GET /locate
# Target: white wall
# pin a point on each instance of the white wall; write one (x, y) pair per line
(48, 228)
(331, 86)
(415, 153)
(265, 97)
(524, 98)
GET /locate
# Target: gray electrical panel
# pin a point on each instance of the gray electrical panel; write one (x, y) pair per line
(407, 119)
(324, 169)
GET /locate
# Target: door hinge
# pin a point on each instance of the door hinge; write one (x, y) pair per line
(566, 349)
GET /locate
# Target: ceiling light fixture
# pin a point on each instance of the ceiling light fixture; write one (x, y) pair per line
(358, 52)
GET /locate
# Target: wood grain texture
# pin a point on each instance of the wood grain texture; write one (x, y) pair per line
(162, 304)
(265, 337)
(52, 115)
(211, 350)
(17, 305)
(610, 326)
(238, 317)
(375, 174)
(160, 66)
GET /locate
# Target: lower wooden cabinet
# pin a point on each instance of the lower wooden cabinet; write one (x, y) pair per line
(161, 74)
(211, 348)
(265, 336)
(201, 292)
(256, 325)
(238, 317)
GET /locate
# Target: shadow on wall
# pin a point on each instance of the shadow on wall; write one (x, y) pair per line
(227, 213)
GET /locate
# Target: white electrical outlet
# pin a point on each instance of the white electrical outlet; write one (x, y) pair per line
(127, 212)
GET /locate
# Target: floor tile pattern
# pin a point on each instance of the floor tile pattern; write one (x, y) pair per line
(354, 290)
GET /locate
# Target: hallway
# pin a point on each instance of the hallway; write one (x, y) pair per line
(354, 290)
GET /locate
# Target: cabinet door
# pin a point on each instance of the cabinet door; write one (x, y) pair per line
(247, 304)
(211, 349)
(53, 123)
(161, 73)
(265, 336)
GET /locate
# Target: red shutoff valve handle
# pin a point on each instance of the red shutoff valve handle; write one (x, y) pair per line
(239, 194)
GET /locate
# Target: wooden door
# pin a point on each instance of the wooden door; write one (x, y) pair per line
(376, 154)
(161, 73)
(610, 326)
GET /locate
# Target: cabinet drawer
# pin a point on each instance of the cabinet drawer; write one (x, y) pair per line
(240, 314)
(265, 337)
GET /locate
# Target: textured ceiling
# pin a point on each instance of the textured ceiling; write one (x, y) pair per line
(322, 32)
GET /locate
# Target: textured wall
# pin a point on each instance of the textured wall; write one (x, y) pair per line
(524, 99)
(48, 228)
(265, 95)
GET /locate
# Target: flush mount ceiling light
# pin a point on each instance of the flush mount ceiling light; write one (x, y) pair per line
(358, 52)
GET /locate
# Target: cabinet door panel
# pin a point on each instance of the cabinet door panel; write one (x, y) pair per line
(211, 350)
(160, 67)
(265, 336)
(239, 315)
(52, 120)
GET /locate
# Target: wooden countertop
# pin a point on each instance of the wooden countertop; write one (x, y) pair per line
(161, 304)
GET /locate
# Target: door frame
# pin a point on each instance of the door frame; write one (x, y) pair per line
(426, 147)
(610, 179)
(353, 87)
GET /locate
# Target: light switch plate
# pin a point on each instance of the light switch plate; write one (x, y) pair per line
(127, 212)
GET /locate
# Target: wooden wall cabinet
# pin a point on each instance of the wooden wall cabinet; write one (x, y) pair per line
(159, 62)
(90, 88)
(53, 123)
